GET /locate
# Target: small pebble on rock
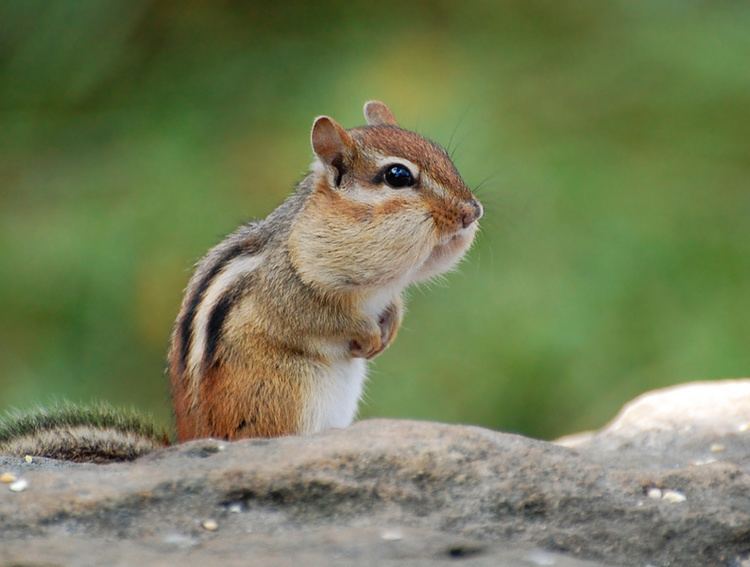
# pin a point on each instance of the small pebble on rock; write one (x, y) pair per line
(20, 485)
(28, 459)
(542, 558)
(717, 448)
(210, 525)
(673, 496)
(7, 478)
(654, 493)
(392, 535)
(235, 508)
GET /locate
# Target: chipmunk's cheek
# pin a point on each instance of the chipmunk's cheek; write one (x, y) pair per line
(459, 242)
(447, 253)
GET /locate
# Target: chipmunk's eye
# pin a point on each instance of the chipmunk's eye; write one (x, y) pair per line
(398, 175)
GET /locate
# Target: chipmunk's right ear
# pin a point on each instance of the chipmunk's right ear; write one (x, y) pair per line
(378, 114)
(332, 144)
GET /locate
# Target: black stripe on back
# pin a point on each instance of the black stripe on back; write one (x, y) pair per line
(186, 324)
(216, 319)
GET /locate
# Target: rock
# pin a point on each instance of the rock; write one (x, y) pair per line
(695, 423)
(386, 492)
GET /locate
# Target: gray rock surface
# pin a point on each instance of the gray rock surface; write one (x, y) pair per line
(666, 483)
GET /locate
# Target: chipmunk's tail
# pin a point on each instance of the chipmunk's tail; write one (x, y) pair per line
(92, 433)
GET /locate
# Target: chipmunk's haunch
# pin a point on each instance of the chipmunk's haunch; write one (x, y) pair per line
(279, 319)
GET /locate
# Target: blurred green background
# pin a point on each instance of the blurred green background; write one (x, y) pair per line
(612, 142)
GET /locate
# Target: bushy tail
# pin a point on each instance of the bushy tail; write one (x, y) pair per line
(92, 433)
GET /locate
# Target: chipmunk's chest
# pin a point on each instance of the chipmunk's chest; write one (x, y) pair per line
(333, 395)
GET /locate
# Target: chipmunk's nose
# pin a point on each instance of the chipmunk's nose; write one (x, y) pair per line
(472, 212)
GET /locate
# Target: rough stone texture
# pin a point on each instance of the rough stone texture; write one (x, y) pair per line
(402, 492)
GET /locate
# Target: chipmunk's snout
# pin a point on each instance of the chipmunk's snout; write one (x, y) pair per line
(472, 212)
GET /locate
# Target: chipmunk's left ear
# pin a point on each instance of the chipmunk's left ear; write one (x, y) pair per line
(378, 114)
(332, 144)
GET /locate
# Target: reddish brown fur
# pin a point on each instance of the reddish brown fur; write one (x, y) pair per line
(241, 398)
(391, 206)
(184, 422)
(325, 200)
(238, 403)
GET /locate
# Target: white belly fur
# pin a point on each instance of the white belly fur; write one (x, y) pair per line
(335, 391)
(334, 395)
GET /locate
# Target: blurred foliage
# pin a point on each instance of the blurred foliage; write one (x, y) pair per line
(612, 139)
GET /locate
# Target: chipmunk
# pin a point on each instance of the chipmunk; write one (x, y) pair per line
(279, 319)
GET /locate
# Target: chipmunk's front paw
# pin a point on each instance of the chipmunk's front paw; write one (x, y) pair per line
(389, 322)
(374, 344)
(366, 346)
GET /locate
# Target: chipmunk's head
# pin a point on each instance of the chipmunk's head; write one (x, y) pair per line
(387, 207)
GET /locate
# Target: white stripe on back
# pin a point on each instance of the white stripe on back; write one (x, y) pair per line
(232, 272)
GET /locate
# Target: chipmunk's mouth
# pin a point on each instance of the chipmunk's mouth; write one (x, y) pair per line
(446, 251)
(453, 245)
(465, 235)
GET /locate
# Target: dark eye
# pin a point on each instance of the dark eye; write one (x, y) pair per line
(398, 175)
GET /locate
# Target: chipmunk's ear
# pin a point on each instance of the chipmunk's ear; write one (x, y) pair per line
(378, 114)
(332, 144)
